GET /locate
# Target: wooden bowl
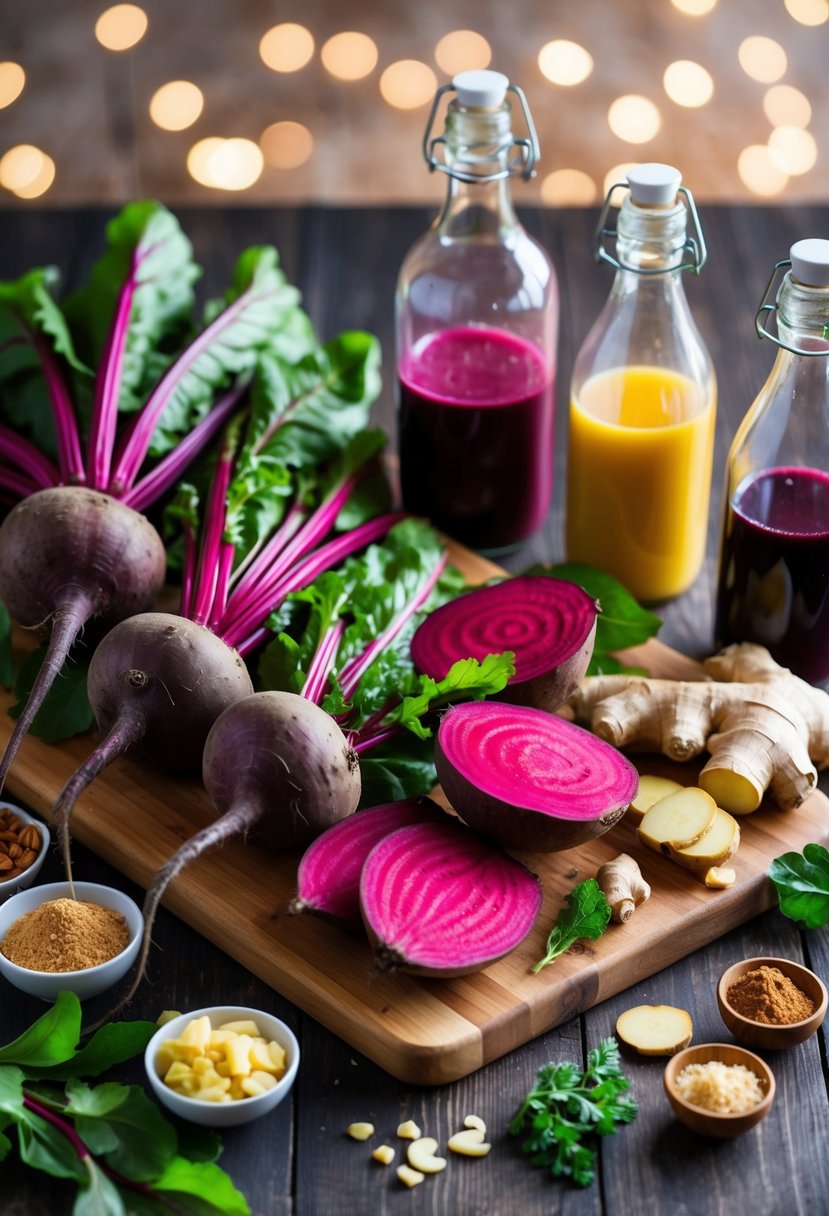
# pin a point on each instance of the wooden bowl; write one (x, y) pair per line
(707, 1122)
(763, 1035)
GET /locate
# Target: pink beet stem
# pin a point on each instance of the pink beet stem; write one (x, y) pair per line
(227, 553)
(262, 554)
(16, 485)
(108, 387)
(17, 450)
(188, 573)
(70, 457)
(211, 542)
(321, 666)
(170, 468)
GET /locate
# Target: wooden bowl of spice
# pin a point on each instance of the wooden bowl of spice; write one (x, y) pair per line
(51, 940)
(771, 1003)
(719, 1089)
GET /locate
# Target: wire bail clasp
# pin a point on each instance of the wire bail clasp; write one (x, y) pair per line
(694, 244)
(523, 163)
(769, 307)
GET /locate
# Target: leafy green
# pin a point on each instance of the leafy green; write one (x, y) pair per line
(568, 1110)
(622, 622)
(802, 884)
(65, 710)
(110, 1139)
(586, 917)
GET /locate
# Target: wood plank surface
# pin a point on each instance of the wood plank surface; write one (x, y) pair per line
(429, 1031)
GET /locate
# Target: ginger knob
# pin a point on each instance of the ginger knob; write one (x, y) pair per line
(623, 885)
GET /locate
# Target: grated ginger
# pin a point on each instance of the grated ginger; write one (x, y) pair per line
(726, 1089)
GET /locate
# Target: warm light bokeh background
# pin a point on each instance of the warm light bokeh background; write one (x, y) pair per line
(214, 100)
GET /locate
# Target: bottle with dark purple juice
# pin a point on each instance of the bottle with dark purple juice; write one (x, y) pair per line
(477, 327)
(774, 562)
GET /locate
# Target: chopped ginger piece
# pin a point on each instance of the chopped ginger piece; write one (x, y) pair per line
(384, 1153)
(408, 1176)
(409, 1130)
(223, 1064)
(360, 1131)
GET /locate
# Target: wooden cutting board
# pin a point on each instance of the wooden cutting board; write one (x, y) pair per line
(422, 1031)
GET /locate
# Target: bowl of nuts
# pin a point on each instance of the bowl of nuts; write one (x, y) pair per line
(24, 842)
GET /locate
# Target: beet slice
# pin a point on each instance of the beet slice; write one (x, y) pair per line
(529, 779)
(438, 900)
(548, 623)
(328, 878)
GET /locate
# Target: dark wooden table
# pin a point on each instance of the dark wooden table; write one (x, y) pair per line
(298, 1160)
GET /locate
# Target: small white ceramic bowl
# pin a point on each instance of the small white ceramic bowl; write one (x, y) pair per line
(12, 885)
(224, 1114)
(92, 980)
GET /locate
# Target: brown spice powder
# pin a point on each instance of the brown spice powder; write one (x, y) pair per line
(766, 995)
(65, 935)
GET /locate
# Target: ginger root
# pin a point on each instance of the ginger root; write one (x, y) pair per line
(623, 885)
(764, 728)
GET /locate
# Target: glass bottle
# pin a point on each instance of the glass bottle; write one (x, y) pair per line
(773, 585)
(643, 401)
(477, 327)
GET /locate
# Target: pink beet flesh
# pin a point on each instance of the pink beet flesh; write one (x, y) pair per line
(437, 900)
(543, 621)
(328, 878)
(529, 779)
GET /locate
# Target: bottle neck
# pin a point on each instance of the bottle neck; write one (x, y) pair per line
(478, 144)
(651, 240)
(803, 316)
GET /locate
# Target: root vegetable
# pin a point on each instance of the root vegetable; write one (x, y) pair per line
(718, 878)
(548, 624)
(437, 900)
(623, 885)
(529, 779)
(714, 848)
(70, 555)
(655, 1030)
(651, 789)
(764, 728)
(328, 877)
(678, 821)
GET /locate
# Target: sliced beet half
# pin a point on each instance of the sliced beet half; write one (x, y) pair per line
(548, 623)
(328, 877)
(438, 900)
(528, 779)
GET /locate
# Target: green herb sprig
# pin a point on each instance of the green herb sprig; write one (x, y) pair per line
(563, 1117)
(109, 1139)
(586, 916)
(802, 883)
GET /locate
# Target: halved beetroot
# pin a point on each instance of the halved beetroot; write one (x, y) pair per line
(328, 878)
(549, 624)
(529, 779)
(438, 900)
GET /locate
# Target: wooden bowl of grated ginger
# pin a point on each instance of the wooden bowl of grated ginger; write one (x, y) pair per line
(771, 1003)
(719, 1089)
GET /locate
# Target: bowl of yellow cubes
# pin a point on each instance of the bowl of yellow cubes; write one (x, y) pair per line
(222, 1066)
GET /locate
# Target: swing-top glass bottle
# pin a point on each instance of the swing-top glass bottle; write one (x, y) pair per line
(477, 324)
(773, 584)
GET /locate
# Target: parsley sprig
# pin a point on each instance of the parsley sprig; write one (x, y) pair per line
(586, 917)
(563, 1117)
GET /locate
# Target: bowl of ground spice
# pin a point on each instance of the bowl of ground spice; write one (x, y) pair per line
(719, 1089)
(52, 939)
(771, 1003)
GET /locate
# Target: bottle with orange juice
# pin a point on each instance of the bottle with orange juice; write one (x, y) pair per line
(643, 401)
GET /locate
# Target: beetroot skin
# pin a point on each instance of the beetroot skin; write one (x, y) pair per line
(529, 779)
(438, 900)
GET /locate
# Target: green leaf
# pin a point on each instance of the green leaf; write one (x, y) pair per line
(145, 246)
(100, 1196)
(201, 1188)
(586, 917)
(41, 1144)
(6, 661)
(30, 300)
(111, 1044)
(121, 1124)
(66, 710)
(402, 767)
(466, 680)
(5, 1146)
(51, 1039)
(802, 884)
(198, 1143)
(622, 622)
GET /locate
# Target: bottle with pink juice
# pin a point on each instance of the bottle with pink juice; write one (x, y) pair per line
(477, 328)
(774, 560)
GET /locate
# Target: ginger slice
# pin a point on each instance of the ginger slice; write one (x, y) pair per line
(422, 1156)
(360, 1131)
(655, 1030)
(678, 821)
(720, 877)
(651, 790)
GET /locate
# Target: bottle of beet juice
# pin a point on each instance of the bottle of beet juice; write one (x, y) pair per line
(477, 326)
(774, 561)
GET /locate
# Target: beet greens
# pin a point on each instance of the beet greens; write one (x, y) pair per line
(78, 474)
